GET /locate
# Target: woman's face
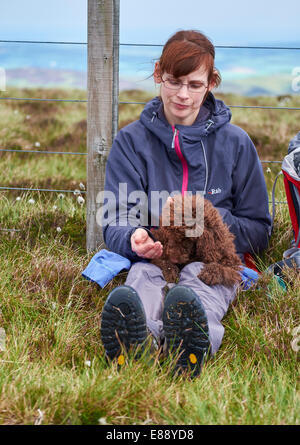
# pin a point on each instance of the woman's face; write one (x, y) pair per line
(182, 106)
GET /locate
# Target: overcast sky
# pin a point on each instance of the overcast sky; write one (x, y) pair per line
(144, 21)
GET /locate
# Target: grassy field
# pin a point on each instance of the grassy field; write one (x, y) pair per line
(52, 365)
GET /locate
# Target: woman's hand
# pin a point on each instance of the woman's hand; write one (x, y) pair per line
(144, 246)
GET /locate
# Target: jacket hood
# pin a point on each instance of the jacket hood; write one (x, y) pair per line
(212, 115)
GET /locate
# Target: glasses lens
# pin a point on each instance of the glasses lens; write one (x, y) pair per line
(173, 84)
(196, 87)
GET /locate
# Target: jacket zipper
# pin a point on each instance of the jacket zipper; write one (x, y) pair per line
(176, 146)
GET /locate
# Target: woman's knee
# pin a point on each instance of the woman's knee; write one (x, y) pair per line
(146, 272)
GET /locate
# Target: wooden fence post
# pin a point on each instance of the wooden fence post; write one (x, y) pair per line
(102, 110)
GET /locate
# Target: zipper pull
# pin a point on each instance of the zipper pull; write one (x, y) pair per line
(174, 136)
(208, 125)
(154, 116)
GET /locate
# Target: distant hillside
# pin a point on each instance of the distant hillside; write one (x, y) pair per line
(55, 78)
(66, 78)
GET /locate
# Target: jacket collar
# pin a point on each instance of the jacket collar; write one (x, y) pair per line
(212, 115)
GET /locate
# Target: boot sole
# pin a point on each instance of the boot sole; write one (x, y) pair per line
(123, 323)
(186, 329)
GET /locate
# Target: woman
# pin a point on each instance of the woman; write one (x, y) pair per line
(182, 142)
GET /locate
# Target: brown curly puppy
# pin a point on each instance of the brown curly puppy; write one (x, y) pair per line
(214, 247)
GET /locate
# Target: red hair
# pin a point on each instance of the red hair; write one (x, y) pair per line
(187, 51)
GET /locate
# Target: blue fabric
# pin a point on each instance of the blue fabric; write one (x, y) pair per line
(221, 160)
(249, 277)
(104, 266)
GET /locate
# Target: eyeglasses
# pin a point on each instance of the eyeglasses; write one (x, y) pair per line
(193, 87)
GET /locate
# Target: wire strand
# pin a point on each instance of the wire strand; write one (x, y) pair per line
(144, 103)
(42, 190)
(230, 106)
(11, 150)
(43, 41)
(42, 100)
(152, 44)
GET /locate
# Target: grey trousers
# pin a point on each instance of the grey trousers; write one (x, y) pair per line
(148, 281)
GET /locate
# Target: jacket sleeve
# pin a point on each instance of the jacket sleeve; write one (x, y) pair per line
(126, 173)
(249, 219)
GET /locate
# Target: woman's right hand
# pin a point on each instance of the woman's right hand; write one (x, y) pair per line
(144, 246)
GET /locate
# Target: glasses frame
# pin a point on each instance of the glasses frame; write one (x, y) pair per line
(182, 84)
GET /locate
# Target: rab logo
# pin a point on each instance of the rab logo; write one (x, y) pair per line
(214, 191)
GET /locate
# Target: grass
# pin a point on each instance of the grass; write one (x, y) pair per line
(53, 369)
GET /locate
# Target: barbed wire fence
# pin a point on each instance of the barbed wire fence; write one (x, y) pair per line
(98, 55)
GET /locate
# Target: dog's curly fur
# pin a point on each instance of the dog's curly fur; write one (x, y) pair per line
(215, 247)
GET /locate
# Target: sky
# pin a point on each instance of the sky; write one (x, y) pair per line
(142, 21)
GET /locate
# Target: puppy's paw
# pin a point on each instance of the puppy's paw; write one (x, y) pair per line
(171, 273)
(169, 270)
(213, 274)
(208, 277)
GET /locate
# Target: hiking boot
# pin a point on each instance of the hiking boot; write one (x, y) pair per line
(186, 329)
(123, 324)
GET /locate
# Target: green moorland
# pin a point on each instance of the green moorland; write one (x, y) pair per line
(52, 364)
